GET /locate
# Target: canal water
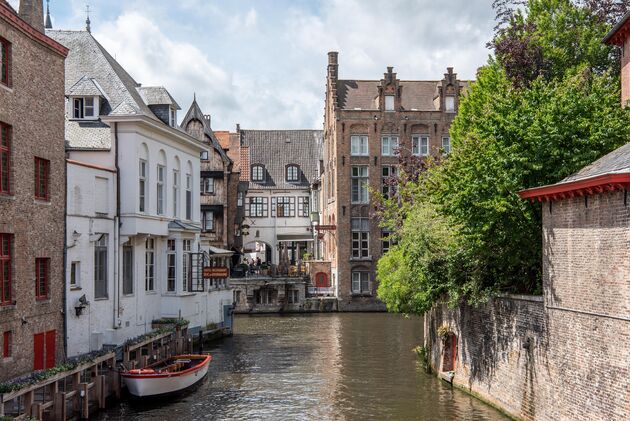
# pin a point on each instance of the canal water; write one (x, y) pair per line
(339, 366)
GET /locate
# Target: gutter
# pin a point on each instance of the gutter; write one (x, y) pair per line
(65, 261)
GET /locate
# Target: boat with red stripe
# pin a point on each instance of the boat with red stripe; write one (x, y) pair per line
(171, 375)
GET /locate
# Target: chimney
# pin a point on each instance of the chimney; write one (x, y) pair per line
(32, 11)
(333, 65)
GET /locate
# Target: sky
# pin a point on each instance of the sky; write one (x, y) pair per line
(262, 63)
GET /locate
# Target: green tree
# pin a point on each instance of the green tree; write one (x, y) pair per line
(516, 128)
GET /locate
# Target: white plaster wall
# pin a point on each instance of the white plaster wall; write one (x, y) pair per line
(269, 228)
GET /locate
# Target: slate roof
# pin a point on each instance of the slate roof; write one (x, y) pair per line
(89, 61)
(86, 86)
(616, 162)
(276, 149)
(416, 94)
(195, 113)
(157, 95)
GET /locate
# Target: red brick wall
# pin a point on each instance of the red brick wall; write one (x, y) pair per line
(576, 366)
(34, 106)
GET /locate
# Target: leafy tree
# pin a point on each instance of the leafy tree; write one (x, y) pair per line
(534, 116)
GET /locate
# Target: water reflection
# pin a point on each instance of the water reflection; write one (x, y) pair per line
(316, 367)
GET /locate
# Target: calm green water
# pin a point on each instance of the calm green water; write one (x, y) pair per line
(316, 367)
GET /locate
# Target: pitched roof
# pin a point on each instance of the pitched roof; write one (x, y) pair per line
(275, 149)
(89, 61)
(611, 37)
(157, 95)
(86, 86)
(87, 134)
(223, 137)
(363, 94)
(610, 172)
(195, 113)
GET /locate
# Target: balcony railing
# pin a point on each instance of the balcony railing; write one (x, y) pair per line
(321, 291)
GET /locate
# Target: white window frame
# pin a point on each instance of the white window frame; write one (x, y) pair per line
(75, 274)
(257, 207)
(207, 224)
(293, 173)
(142, 186)
(203, 155)
(127, 269)
(175, 193)
(446, 144)
(390, 101)
(360, 282)
(149, 265)
(389, 145)
(171, 266)
(186, 249)
(420, 145)
(189, 213)
(173, 116)
(359, 184)
(359, 145)
(101, 267)
(160, 191)
(84, 108)
(258, 172)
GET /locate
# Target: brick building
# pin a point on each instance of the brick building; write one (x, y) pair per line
(368, 126)
(32, 192)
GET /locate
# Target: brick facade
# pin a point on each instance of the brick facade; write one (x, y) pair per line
(33, 105)
(358, 108)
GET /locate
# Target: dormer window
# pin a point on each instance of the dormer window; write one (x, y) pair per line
(84, 108)
(293, 173)
(389, 102)
(449, 103)
(173, 119)
(258, 173)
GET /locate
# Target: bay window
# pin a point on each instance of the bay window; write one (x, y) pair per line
(142, 185)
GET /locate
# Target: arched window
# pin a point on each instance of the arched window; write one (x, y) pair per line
(293, 173)
(321, 280)
(258, 172)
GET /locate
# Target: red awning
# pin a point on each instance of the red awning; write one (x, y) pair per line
(582, 187)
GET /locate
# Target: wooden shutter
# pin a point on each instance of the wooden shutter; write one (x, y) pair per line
(50, 348)
(38, 354)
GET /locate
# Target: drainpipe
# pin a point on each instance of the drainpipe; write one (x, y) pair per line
(116, 235)
(65, 258)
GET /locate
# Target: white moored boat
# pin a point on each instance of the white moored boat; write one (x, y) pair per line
(171, 375)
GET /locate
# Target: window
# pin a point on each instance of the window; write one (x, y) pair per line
(83, 108)
(5, 158)
(149, 265)
(258, 173)
(389, 102)
(207, 220)
(303, 206)
(283, 207)
(142, 185)
(42, 278)
(160, 189)
(257, 207)
(6, 281)
(239, 198)
(360, 282)
(5, 61)
(389, 145)
(446, 144)
(386, 241)
(389, 180)
(293, 296)
(360, 238)
(100, 267)
(6, 344)
(175, 193)
(42, 173)
(186, 264)
(75, 274)
(360, 184)
(127, 270)
(204, 155)
(173, 117)
(358, 145)
(207, 185)
(188, 196)
(449, 102)
(171, 272)
(420, 145)
(293, 173)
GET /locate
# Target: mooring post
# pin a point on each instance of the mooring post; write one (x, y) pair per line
(59, 406)
(115, 378)
(100, 391)
(85, 400)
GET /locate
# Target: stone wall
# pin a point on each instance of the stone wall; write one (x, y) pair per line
(565, 355)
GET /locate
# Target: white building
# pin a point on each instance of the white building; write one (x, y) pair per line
(133, 206)
(282, 165)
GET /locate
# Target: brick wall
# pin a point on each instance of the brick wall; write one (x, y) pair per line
(34, 107)
(563, 356)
